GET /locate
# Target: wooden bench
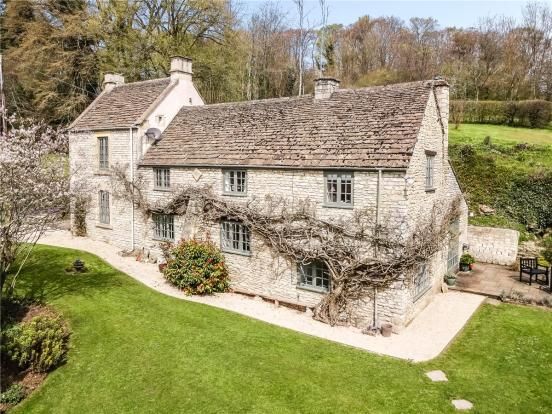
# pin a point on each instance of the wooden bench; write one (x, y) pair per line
(530, 266)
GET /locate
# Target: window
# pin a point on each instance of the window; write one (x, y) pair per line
(103, 153)
(422, 282)
(339, 189)
(235, 237)
(163, 226)
(161, 178)
(430, 166)
(235, 182)
(104, 207)
(314, 275)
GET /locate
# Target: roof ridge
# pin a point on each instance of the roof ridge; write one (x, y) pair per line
(122, 85)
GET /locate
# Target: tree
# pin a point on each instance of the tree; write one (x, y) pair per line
(34, 190)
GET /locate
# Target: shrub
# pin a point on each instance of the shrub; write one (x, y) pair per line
(467, 259)
(547, 252)
(39, 344)
(13, 395)
(196, 267)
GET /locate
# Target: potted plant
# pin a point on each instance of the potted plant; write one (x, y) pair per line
(466, 262)
(450, 279)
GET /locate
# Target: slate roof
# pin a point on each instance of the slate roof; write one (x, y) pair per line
(122, 106)
(373, 127)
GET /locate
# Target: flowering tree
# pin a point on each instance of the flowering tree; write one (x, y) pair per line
(34, 189)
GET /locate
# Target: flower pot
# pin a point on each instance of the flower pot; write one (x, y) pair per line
(451, 281)
(464, 267)
(162, 266)
(386, 329)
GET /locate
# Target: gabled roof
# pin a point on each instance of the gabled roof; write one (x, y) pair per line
(121, 107)
(373, 127)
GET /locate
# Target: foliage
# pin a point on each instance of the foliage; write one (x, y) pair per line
(118, 323)
(547, 252)
(39, 344)
(533, 114)
(516, 163)
(14, 394)
(196, 267)
(34, 188)
(467, 259)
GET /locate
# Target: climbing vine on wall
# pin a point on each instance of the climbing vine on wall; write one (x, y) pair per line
(359, 254)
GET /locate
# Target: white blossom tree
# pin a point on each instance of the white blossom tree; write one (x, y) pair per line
(34, 190)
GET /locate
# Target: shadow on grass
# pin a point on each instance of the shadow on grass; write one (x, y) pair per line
(44, 276)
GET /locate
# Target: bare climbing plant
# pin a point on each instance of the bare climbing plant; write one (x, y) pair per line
(359, 254)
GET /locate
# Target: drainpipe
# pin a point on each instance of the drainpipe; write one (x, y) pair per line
(131, 130)
(375, 322)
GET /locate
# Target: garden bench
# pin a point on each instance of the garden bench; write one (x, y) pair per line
(530, 266)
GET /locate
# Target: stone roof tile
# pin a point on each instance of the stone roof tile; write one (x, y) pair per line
(374, 127)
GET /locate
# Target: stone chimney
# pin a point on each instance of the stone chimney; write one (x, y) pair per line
(111, 80)
(324, 87)
(181, 68)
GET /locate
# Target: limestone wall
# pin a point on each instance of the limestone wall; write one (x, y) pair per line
(493, 245)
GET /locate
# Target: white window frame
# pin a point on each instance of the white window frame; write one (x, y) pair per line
(163, 226)
(161, 179)
(103, 153)
(430, 171)
(104, 210)
(337, 196)
(231, 182)
(235, 237)
(314, 276)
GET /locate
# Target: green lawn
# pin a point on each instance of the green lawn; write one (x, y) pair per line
(136, 350)
(475, 133)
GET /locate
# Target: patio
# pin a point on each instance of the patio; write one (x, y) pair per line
(501, 282)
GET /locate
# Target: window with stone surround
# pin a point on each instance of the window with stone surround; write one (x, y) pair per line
(314, 276)
(161, 178)
(103, 152)
(103, 204)
(235, 182)
(430, 170)
(422, 282)
(163, 227)
(339, 189)
(235, 237)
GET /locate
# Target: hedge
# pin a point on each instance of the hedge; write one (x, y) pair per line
(532, 114)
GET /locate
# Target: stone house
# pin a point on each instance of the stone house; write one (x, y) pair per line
(381, 148)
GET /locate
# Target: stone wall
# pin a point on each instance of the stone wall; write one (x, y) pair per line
(493, 245)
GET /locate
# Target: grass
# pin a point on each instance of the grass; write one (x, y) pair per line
(500, 134)
(136, 350)
(488, 176)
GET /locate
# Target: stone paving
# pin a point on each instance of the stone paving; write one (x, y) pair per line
(462, 404)
(437, 376)
(496, 281)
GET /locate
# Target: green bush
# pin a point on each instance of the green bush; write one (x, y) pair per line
(13, 395)
(467, 259)
(39, 344)
(196, 267)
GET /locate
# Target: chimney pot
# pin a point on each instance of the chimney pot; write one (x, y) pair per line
(324, 87)
(111, 80)
(181, 67)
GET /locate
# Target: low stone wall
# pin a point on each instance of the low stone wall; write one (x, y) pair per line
(493, 245)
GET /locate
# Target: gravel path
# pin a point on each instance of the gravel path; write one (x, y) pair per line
(424, 339)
